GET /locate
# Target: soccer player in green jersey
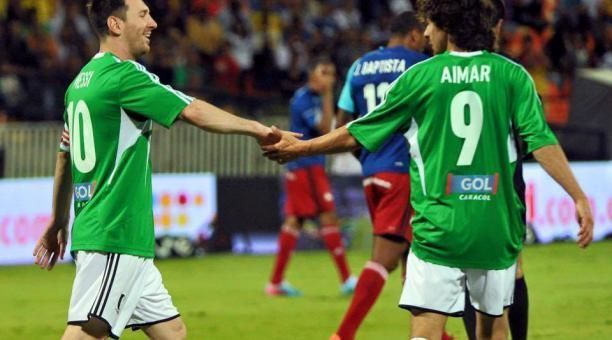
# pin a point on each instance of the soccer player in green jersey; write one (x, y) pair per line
(518, 313)
(458, 110)
(104, 163)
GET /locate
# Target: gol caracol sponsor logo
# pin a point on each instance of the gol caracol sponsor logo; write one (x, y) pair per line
(83, 192)
(472, 187)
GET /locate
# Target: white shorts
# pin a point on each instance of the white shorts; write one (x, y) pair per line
(441, 289)
(123, 290)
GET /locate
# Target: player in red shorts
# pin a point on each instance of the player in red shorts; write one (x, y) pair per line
(308, 193)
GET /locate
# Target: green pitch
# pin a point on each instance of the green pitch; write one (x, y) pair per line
(221, 297)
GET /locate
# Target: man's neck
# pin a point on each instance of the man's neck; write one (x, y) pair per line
(450, 46)
(115, 48)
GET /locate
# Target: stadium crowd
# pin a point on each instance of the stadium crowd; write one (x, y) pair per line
(252, 53)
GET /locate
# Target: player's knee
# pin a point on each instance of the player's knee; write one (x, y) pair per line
(96, 328)
(390, 265)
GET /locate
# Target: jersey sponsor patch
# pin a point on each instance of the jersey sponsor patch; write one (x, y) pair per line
(472, 187)
(83, 192)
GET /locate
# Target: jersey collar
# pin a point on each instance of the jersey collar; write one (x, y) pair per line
(465, 54)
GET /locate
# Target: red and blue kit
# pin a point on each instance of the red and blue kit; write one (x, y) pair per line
(386, 180)
(306, 184)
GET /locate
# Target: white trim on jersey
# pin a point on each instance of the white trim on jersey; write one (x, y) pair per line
(512, 153)
(185, 98)
(128, 135)
(523, 69)
(412, 135)
(465, 54)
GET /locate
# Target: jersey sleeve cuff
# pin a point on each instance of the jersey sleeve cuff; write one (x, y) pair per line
(361, 138)
(531, 147)
(174, 114)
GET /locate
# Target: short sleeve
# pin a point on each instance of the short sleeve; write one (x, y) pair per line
(141, 92)
(392, 115)
(346, 101)
(528, 115)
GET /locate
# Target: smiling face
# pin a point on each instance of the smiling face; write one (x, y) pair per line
(138, 26)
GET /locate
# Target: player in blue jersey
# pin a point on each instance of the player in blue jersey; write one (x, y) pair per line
(386, 181)
(308, 193)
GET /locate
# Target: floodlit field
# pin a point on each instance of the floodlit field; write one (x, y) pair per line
(221, 297)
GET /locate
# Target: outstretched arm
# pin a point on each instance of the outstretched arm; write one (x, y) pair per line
(211, 118)
(553, 160)
(52, 244)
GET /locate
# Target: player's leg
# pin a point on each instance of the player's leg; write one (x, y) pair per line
(385, 258)
(492, 327)
(169, 330)
(431, 293)
(298, 204)
(388, 203)
(491, 294)
(287, 241)
(469, 319)
(106, 289)
(330, 226)
(427, 325)
(518, 313)
(332, 238)
(154, 313)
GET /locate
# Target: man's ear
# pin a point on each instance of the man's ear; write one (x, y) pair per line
(115, 25)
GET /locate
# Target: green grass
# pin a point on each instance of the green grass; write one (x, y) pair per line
(221, 297)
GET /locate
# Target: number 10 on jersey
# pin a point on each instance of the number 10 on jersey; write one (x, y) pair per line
(82, 146)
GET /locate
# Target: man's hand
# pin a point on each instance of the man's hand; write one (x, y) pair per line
(585, 220)
(287, 148)
(50, 247)
(272, 135)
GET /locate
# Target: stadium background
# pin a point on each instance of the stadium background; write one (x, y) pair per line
(249, 57)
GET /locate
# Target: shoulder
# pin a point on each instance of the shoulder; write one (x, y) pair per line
(510, 66)
(130, 66)
(422, 67)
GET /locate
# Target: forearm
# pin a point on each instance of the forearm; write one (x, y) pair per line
(62, 190)
(553, 160)
(211, 118)
(327, 108)
(339, 140)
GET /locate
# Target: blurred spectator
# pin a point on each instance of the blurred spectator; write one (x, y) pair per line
(255, 51)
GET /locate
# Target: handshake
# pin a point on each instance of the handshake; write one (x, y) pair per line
(281, 146)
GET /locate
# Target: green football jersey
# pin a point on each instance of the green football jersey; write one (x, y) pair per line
(110, 107)
(458, 111)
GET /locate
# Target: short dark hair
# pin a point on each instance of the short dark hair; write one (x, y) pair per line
(99, 11)
(405, 23)
(467, 22)
(319, 60)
